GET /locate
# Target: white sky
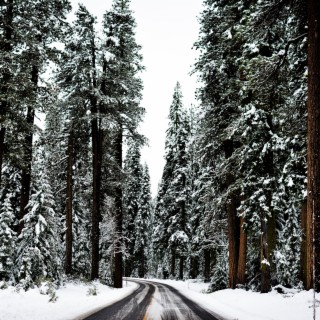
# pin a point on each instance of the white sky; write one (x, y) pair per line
(166, 31)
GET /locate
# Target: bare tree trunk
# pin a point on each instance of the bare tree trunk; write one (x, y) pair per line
(96, 172)
(173, 263)
(233, 223)
(95, 217)
(5, 48)
(313, 199)
(181, 265)
(69, 209)
(118, 212)
(27, 157)
(268, 226)
(241, 274)
(303, 257)
(207, 262)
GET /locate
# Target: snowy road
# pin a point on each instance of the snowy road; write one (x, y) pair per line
(154, 301)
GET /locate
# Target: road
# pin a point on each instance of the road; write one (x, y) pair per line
(156, 301)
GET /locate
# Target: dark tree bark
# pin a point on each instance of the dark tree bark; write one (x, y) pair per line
(6, 47)
(96, 174)
(194, 267)
(233, 223)
(268, 226)
(181, 267)
(303, 257)
(27, 156)
(241, 274)
(118, 268)
(173, 263)
(69, 209)
(207, 263)
(313, 199)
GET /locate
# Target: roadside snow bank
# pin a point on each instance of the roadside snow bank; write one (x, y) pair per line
(247, 305)
(73, 301)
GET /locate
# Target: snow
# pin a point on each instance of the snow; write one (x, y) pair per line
(73, 301)
(239, 304)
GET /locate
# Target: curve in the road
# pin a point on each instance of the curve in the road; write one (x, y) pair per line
(156, 301)
(131, 307)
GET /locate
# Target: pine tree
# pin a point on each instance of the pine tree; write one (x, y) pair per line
(131, 205)
(38, 246)
(121, 87)
(142, 225)
(7, 240)
(172, 231)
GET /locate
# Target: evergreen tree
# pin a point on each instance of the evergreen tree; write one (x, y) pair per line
(121, 87)
(38, 246)
(172, 230)
(131, 205)
(142, 225)
(7, 240)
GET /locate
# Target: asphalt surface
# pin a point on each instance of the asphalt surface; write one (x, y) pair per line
(156, 301)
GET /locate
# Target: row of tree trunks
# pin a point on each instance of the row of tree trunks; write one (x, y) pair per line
(6, 48)
(313, 199)
(237, 239)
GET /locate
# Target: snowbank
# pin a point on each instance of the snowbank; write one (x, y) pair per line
(246, 305)
(73, 301)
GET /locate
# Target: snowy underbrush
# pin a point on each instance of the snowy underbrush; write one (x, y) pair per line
(228, 304)
(72, 300)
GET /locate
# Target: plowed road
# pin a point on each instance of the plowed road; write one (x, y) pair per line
(156, 301)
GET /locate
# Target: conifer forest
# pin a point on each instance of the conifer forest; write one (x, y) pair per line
(238, 204)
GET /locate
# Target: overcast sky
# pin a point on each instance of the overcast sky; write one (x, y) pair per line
(166, 31)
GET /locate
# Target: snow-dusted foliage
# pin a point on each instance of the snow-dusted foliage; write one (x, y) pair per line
(142, 224)
(253, 131)
(171, 227)
(7, 240)
(38, 244)
(131, 198)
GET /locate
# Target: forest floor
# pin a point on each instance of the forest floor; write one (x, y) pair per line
(75, 300)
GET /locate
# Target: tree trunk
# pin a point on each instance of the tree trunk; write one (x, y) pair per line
(68, 266)
(193, 267)
(303, 257)
(95, 217)
(313, 199)
(241, 274)
(27, 157)
(268, 225)
(118, 212)
(181, 267)
(173, 263)
(233, 223)
(5, 48)
(96, 173)
(207, 260)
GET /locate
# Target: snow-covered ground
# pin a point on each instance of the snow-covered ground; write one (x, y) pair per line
(246, 305)
(73, 301)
